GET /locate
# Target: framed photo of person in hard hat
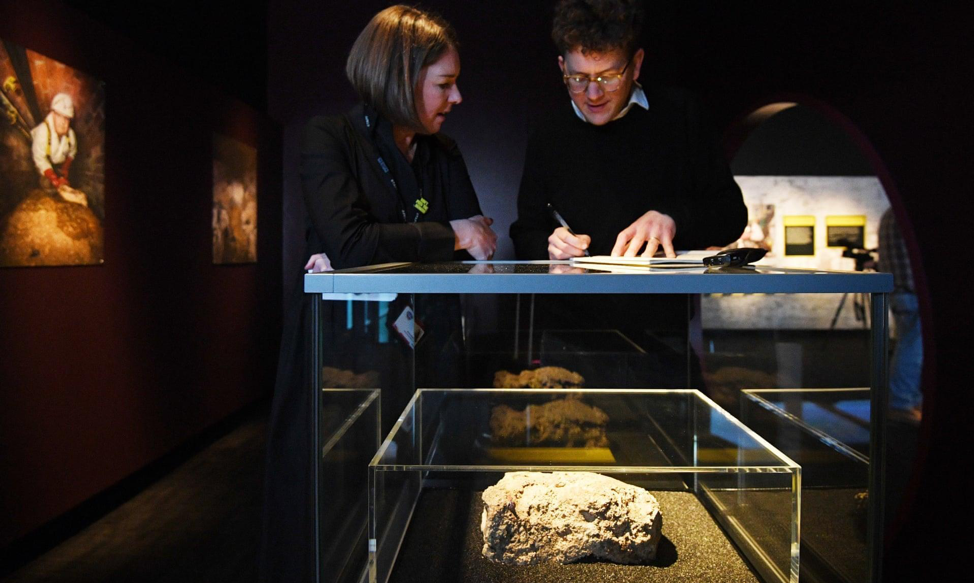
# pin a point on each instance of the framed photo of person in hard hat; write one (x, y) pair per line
(52, 175)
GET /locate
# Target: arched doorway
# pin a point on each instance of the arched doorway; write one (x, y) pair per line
(819, 197)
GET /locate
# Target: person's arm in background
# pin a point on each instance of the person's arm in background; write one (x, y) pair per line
(339, 209)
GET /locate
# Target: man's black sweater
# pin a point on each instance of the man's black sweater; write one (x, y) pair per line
(602, 178)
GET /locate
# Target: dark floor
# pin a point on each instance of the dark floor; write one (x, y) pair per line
(200, 522)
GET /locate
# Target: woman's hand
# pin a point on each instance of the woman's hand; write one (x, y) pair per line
(475, 235)
(317, 263)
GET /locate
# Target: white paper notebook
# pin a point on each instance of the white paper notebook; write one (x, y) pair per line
(686, 258)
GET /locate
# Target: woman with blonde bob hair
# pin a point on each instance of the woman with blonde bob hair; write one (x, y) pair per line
(381, 185)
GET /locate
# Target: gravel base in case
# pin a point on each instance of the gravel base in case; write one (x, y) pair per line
(444, 543)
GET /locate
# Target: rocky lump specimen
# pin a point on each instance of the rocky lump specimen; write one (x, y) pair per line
(535, 517)
(546, 377)
(563, 422)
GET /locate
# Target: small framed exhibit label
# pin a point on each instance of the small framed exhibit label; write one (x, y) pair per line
(799, 235)
(846, 231)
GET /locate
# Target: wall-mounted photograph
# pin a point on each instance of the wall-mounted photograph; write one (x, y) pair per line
(52, 162)
(799, 235)
(234, 201)
(846, 231)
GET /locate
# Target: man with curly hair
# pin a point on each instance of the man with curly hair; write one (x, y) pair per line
(631, 169)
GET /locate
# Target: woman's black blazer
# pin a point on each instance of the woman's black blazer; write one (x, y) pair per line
(355, 214)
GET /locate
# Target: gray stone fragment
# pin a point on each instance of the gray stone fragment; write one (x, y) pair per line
(535, 517)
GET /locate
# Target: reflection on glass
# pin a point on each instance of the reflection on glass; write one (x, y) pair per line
(337, 378)
(826, 431)
(563, 422)
(564, 268)
(348, 433)
(546, 377)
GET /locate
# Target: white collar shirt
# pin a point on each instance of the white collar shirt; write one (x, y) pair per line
(637, 97)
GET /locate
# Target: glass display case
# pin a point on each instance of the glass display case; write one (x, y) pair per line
(826, 431)
(472, 336)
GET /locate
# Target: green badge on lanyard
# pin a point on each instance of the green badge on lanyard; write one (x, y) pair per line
(422, 205)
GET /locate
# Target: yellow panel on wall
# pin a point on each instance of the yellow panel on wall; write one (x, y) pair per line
(845, 221)
(799, 221)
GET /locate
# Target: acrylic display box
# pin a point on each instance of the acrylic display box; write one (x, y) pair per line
(826, 431)
(729, 500)
(349, 428)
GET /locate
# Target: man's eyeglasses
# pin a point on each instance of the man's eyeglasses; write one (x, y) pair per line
(608, 81)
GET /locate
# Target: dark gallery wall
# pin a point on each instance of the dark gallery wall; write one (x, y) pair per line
(105, 369)
(223, 42)
(799, 141)
(895, 78)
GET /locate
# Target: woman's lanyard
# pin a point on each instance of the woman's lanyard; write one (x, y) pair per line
(421, 205)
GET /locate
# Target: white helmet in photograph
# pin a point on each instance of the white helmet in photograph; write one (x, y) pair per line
(63, 104)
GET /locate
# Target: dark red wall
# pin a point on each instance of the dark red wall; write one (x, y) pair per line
(899, 75)
(104, 369)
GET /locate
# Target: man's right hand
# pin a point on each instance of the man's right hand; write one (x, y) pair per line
(564, 245)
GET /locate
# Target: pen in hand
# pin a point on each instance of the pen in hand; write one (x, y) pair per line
(561, 221)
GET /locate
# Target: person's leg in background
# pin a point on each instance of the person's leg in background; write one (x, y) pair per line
(906, 365)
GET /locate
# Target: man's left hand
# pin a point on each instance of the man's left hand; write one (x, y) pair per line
(654, 229)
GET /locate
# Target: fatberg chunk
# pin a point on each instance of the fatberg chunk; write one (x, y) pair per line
(535, 517)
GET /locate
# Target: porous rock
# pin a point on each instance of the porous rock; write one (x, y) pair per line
(536, 517)
(546, 377)
(563, 422)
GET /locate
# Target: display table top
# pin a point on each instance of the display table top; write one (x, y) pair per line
(540, 277)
